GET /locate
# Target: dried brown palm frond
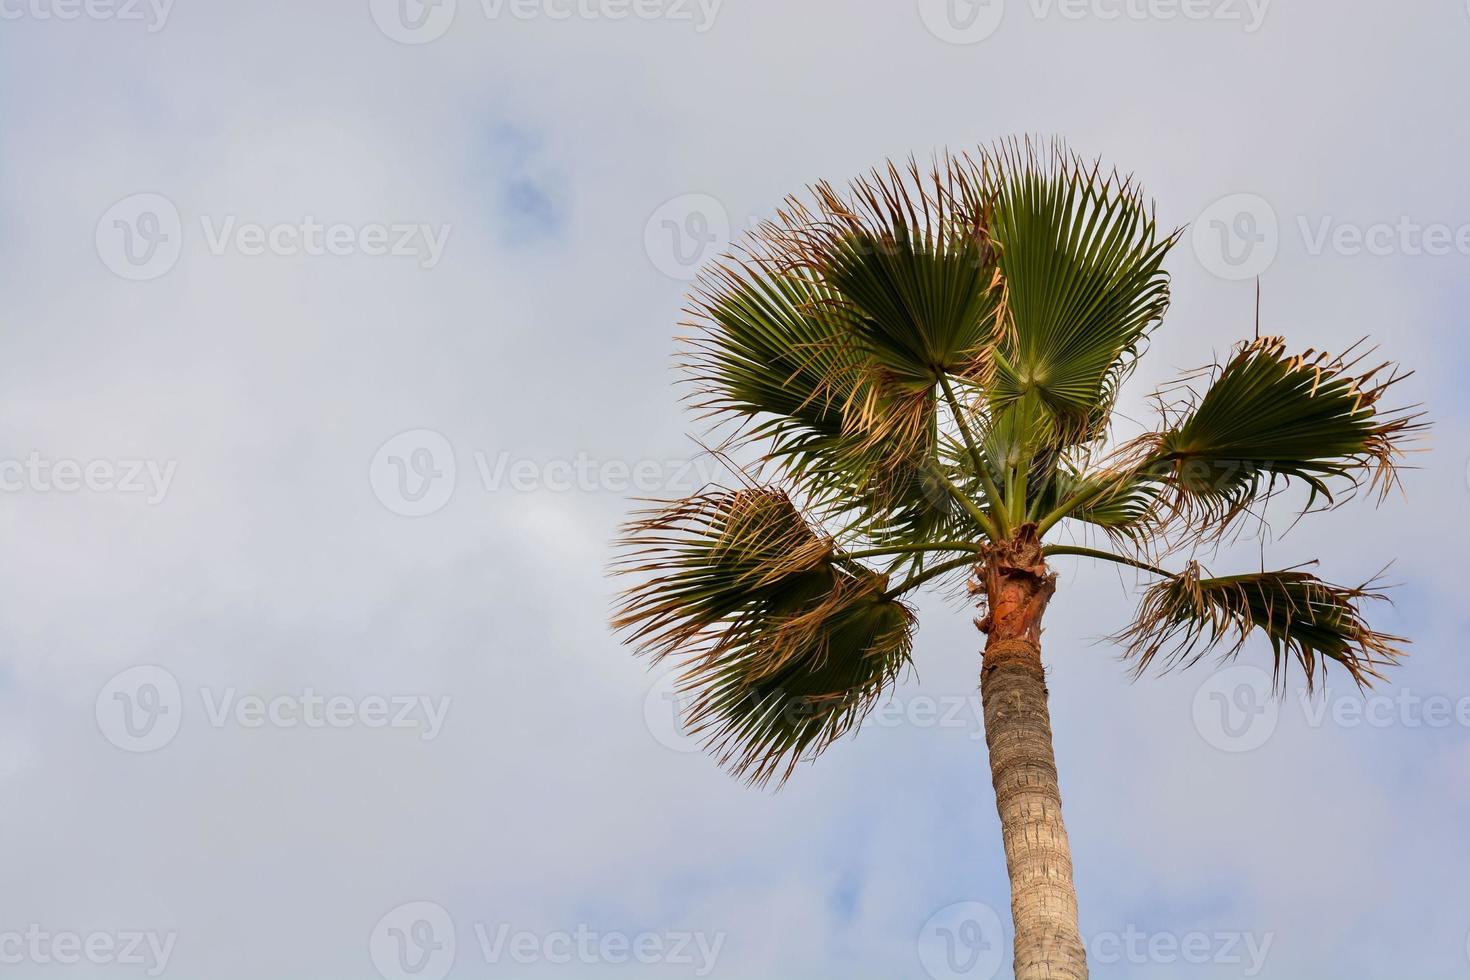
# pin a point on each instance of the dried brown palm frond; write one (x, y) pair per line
(785, 643)
(1306, 619)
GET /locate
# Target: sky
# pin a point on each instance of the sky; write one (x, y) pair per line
(338, 338)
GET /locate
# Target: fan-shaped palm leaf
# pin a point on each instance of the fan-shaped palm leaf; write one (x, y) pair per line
(1303, 617)
(1081, 264)
(784, 642)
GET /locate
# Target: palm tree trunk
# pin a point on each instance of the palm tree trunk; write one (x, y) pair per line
(1017, 587)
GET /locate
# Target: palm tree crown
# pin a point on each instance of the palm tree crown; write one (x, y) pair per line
(926, 366)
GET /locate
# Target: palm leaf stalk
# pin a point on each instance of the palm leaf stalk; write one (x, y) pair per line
(925, 364)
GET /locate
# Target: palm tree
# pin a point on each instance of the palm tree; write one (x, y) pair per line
(920, 373)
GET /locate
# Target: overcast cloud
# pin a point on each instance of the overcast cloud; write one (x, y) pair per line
(285, 692)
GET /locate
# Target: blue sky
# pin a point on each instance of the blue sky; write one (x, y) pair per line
(553, 160)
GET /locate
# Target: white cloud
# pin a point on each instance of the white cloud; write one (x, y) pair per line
(270, 566)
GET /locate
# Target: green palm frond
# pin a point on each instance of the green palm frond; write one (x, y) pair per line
(1081, 265)
(1125, 507)
(1189, 615)
(775, 354)
(784, 643)
(912, 263)
(925, 511)
(767, 352)
(805, 678)
(1270, 418)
